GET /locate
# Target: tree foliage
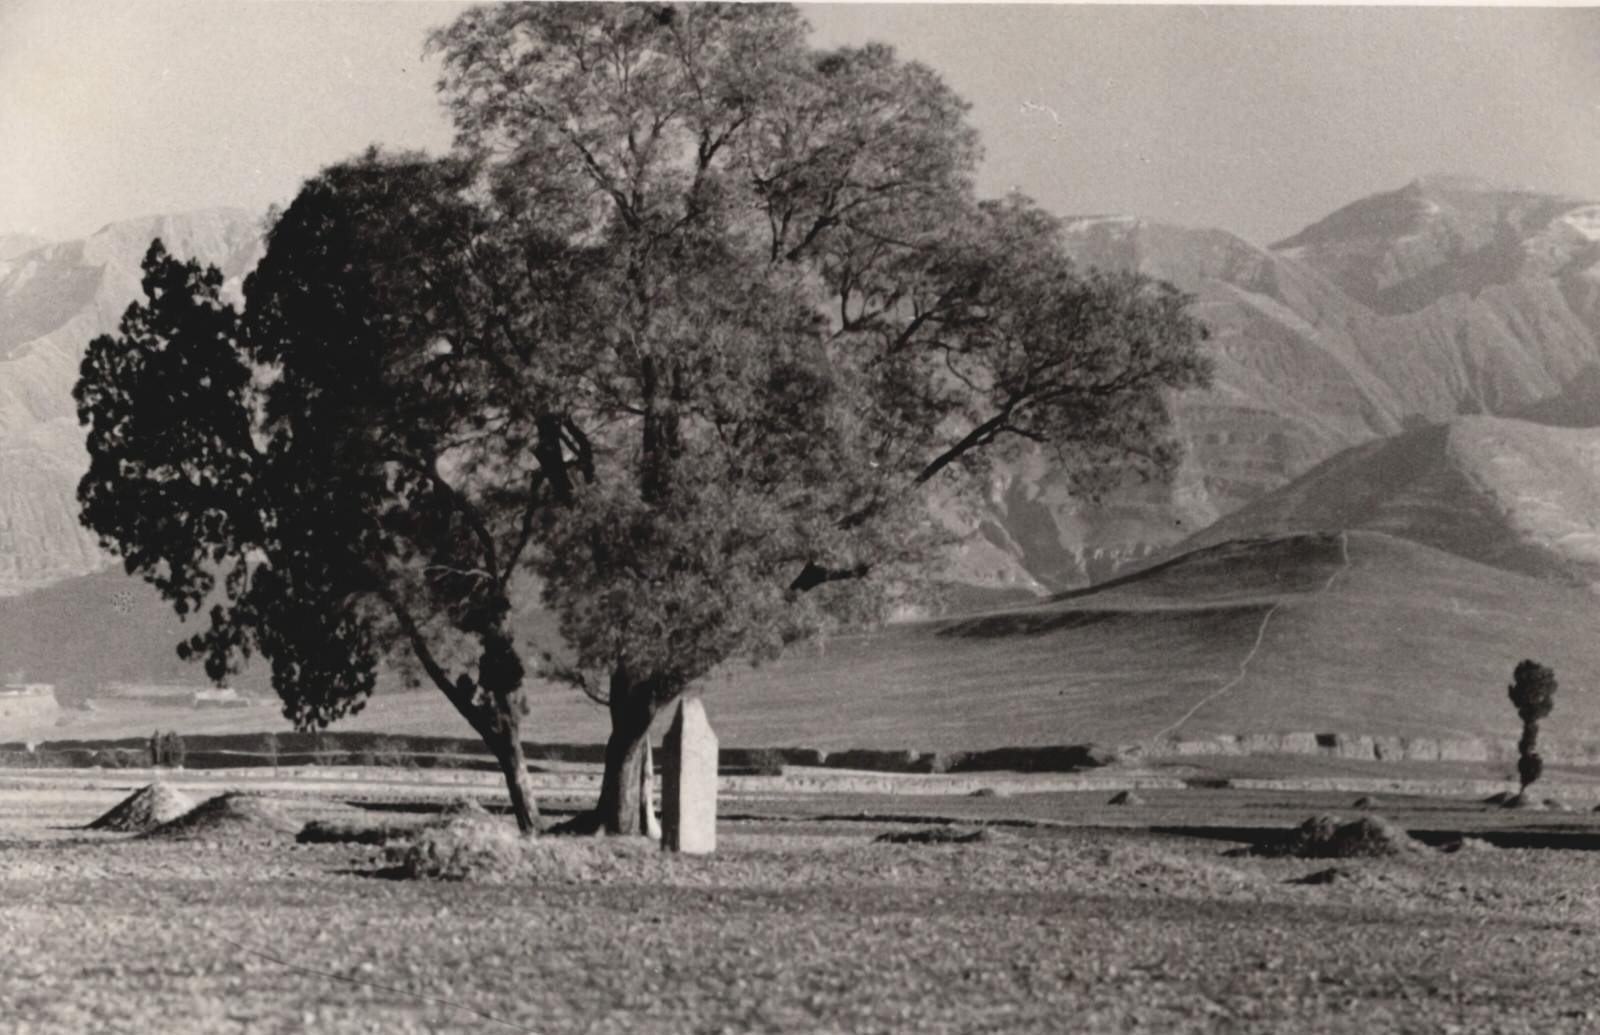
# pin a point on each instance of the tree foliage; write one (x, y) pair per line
(328, 472)
(798, 315)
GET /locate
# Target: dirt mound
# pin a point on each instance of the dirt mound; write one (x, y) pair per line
(490, 850)
(146, 808)
(1327, 837)
(233, 816)
(1324, 837)
(1126, 798)
(936, 836)
(365, 830)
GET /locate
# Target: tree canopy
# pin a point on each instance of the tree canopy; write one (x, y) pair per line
(800, 314)
(334, 479)
(679, 337)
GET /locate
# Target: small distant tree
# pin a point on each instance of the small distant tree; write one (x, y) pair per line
(323, 750)
(1532, 691)
(389, 753)
(173, 749)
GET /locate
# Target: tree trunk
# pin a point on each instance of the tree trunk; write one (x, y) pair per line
(508, 752)
(1529, 763)
(622, 789)
(499, 720)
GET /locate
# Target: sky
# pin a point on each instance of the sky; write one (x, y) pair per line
(1259, 120)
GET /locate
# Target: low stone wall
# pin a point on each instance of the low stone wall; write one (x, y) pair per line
(1366, 747)
(295, 749)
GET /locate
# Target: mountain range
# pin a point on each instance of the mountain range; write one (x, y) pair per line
(1423, 365)
(1444, 298)
(54, 298)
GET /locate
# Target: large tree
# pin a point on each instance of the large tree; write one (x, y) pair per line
(337, 476)
(798, 318)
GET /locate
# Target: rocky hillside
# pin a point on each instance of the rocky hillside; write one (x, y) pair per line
(1408, 308)
(53, 299)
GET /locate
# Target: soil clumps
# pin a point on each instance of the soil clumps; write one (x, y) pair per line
(491, 850)
(360, 832)
(1332, 875)
(1327, 837)
(366, 831)
(936, 836)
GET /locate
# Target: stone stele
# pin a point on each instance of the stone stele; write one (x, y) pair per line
(689, 782)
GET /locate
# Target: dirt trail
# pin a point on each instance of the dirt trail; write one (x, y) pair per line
(1255, 648)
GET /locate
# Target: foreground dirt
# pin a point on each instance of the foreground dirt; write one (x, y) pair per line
(795, 926)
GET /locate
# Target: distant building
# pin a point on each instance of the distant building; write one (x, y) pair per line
(22, 700)
(27, 690)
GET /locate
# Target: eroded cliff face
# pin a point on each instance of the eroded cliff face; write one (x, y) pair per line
(1446, 297)
(54, 298)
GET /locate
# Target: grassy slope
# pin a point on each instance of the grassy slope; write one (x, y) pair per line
(1398, 639)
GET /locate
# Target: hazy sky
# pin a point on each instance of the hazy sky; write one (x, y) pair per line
(1257, 119)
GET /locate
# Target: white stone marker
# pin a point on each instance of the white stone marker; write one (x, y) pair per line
(689, 782)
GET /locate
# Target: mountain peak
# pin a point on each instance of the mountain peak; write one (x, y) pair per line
(13, 245)
(1442, 235)
(209, 234)
(1454, 183)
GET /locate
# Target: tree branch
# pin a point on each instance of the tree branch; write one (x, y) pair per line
(459, 692)
(814, 575)
(978, 436)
